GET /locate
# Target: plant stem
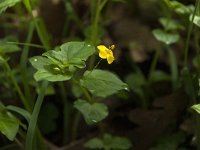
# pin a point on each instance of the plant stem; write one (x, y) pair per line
(27, 44)
(40, 27)
(78, 114)
(66, 114)
(23, 63)
(173, 67)
(85, 92)
(153, 64)
(22, 98)
(95, 19)
(75, 126)
(34, 117)
(189, 34)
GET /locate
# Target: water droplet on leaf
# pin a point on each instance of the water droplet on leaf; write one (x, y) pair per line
(35, 59)
(94, 121)
(126, 88)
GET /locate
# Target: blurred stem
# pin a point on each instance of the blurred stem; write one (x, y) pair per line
(34, 117)
(96, 21)
(19, 144)
(197, 119)
(23, 64)
(10, 146)
(196, 41)
(40, 27)
(27, 44)
(22, 98)
(96, 10)
(66, 114)
(173, 66)
(153, 64)
(76, 125)
(189, 34)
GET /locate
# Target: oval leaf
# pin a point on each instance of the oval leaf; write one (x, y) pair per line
(102, 83)
(9, 125)
(167, 38)
(92, 113)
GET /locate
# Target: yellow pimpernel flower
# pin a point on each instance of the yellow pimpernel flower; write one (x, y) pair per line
(106, 53)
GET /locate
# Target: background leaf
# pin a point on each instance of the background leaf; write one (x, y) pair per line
(9, 125)
(109, 142)
(167, 38)
(92, 113)
(4, 4)
(6, 47)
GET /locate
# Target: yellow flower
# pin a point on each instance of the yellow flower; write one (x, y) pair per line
(106, 53)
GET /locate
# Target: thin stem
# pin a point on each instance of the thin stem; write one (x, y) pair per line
(66, 114)
(40, 27)
(85, 92)
(34, 117)
(27, 44)
(97, 64)
(11, 146)
(95, 20)
(23, 63)
(75, 126)
(189, 34)
(19, 143)
(22, 98)
(173, 67)
(153, 64)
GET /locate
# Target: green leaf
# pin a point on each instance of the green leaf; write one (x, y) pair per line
(48, 71)
(136, 82)
(9, 125)
(45, 75)
(179, 8)
(92, 113)
(20, 111)
(2, 60)
(196, 20)
(121, 143)
(71, 53)
(196, 108)
(102, 83)
(170, 142)
(6, 47)
(170, 24)
(167, 38)
(60, 65)
(4, 4)
(109, 142)
(94, 143)
(40, 62)
(159, 75)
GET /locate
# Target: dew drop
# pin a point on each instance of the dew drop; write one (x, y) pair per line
(35, 59)
(94, 121)
(88, 45)
(126, 88)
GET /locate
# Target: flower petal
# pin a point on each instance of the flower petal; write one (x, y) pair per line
(110, 59)
(102, 54)
(102, 51)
